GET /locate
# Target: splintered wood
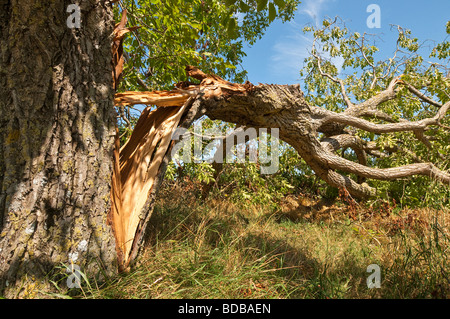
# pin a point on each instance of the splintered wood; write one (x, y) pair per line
(158, 98)
(117, 48)
(138, 163)
(136, 167)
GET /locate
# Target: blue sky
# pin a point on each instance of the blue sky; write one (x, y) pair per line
(278, 56)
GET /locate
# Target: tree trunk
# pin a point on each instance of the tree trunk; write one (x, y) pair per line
(57, 128)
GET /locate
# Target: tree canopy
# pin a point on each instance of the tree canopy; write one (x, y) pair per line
(210, 34)
(424, 66)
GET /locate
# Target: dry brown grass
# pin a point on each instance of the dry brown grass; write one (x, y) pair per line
(306, 248)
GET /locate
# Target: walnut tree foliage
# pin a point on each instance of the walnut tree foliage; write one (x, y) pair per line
(210, 34)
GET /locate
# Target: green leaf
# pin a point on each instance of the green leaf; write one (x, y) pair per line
(230, 2)
(280, 3)
(262, 4)
(232, 28)
(272, 12)
(243, 6)
(229, 66)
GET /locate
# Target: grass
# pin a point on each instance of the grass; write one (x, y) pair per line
(303, 249)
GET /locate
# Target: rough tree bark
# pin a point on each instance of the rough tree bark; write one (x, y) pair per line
(284, 107)
(57, 128)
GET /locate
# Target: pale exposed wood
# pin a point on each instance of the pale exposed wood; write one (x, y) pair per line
(120, 30)
(138, 162)
(138, 165)
(158, 98)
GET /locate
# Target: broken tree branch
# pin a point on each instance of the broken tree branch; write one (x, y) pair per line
(141, 160)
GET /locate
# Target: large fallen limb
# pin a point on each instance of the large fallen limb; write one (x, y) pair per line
(141, 161)
(284, 107)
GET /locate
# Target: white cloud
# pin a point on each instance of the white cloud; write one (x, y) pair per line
(291, 49)
(289, 54)
(313, 8)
